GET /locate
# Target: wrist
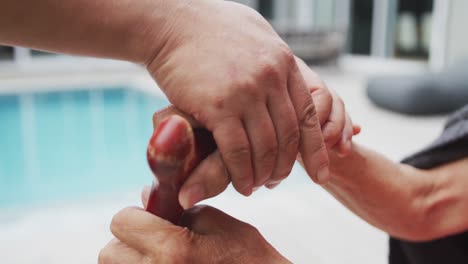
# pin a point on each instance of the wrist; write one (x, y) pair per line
(341, 167)
(156, 29)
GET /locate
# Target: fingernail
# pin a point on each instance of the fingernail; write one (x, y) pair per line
(323, 175)
(192, 196)
(272, 186)
(255, 189)
(247, 190)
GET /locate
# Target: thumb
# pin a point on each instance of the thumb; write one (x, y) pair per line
(312, 146)
(172, 110)
(209, 179)
(206, 220)
(142, 230)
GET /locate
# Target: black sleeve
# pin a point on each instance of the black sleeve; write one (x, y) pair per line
(452, 145)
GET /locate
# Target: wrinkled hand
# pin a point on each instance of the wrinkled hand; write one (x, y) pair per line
(337, 126)
(208, 236)
(223, 64)
(210, 178)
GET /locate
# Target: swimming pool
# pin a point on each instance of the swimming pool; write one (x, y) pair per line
(63, 145)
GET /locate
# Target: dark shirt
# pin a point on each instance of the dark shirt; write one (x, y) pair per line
(452, 145)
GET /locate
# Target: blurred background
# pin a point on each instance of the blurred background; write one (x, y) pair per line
(73, 130)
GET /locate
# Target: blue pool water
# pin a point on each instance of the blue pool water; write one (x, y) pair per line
(72, 144)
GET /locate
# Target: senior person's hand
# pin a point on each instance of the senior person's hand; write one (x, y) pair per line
(217, 60)
(210, 178)
(207, 236)
(222, 63)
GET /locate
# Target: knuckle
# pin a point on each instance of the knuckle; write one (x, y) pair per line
(237, 154)
(321, 155)
(119, 221)
(106, 255)
(308, 118)
(282, 173)
(219, 103)
(290, 142)
(246, 90)
(269, 154)
(270, 70)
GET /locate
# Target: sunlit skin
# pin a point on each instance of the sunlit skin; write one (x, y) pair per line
(211, 58)
(203, 234)
(406, 202)
(210, 236)
(174, 150)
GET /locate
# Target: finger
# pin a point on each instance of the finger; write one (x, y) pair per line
(172, 110)
(287, 132)
(116, 252)
(145, 193)
(203, 219)
(356, 129)
(142, 230)
(236, 153)
(209, 179)
(273, 185)
(334, 127)
(262, 138)
(344, 147)
(320, 93)
(312, 146)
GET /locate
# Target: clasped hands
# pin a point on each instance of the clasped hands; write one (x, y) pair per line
(236, 77)
(206, 234)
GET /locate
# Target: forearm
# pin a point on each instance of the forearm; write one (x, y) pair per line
(388, 195)
(119, 29)
(404, 201)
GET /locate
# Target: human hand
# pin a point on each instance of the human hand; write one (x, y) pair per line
(235, 75)
(209, 178)
(337, 126)
(207, 236)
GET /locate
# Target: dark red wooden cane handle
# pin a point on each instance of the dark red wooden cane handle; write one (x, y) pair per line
(174, 150)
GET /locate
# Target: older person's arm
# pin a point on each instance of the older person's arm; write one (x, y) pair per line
(115, 29)
(219, 61)
(406, 202)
